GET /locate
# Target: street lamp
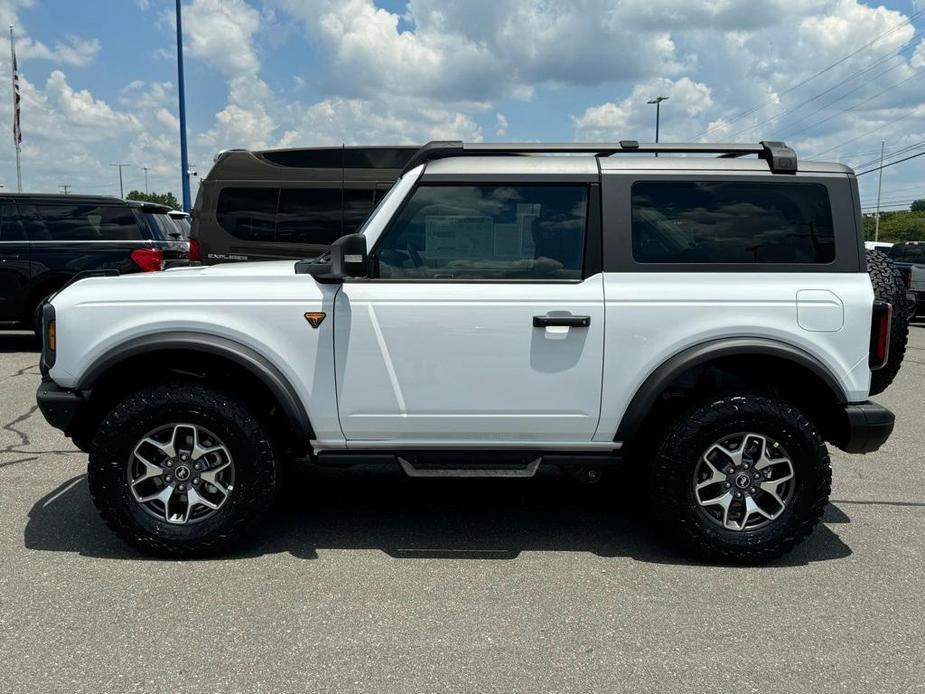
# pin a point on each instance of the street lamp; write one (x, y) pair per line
(184, 157)
(658, 109)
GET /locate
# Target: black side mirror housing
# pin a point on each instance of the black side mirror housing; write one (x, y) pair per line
(349, 257)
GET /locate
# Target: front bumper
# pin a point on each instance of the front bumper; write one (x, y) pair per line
(60, 407)
(867, 426)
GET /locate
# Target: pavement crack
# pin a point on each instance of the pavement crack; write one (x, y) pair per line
(18, 460)
(25, 371)
(23, 436)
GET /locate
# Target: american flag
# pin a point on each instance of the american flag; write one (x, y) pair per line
(17, 132)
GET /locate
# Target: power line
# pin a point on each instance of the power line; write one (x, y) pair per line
(850, 78)
(890, 155)
(851, 108)
(892, 163)
(752, 110)
(869, 132)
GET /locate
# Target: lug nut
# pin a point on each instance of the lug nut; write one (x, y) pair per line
(195, 480)
(727, 484)
(730, 470)
(738, 495)
(184, 457)
(169, 463)
(182, 487)
(198, 466)
(168, 478)
(753, 490)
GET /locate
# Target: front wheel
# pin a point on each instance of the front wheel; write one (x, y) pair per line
(740, 480)
(182, 469)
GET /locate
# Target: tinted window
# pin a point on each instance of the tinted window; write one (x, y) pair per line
(248, 213)
(377, 157)
(357, 206)
(11, 228)
(714, 222)
(307, 158)
(487, 232)
(908, 252)
(161, 225)
(309, 215)
(81, 223)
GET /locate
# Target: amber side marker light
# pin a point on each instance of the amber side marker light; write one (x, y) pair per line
(314, 318)
(51, 336)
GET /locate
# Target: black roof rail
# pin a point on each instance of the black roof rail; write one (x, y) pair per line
(780, 158)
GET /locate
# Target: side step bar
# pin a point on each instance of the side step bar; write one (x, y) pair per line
(480, 463)
(473, 470)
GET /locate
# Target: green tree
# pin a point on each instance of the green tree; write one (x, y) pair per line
(168, 199)
(896, 226)
(918, 205)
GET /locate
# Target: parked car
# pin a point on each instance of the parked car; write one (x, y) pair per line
(182, 220)
(709, 319)
(909, 257)
(288, 203)
(45, 240)
(162, 224)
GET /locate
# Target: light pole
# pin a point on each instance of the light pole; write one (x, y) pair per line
(146, 179)
(121, 189)
(658, 112)
(184, 156)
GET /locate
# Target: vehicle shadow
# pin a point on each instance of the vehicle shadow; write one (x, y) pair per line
(378, 508)
(19, 342)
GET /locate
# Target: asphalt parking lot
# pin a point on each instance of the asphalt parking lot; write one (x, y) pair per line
(367, 581)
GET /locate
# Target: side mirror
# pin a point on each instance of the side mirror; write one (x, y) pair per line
(348, 256)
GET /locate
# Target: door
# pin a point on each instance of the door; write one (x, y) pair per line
(15, 270)
(483, 322)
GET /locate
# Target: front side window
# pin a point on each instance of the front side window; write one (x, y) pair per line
(729, 222)
(499, 232)
(248, 213)
(81, 223)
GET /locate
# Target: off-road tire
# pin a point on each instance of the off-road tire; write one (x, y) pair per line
(672, 468)
(889, 286)
(224, 413)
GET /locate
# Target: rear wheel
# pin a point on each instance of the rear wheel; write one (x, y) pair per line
(889, 286)
(182, 469)
(740, 480)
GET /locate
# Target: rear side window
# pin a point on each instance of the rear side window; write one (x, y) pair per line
(729, 222)
(357, 206)
(248, 213)
(309, 215)
(81, 223)
(487, 232)
(10, 227)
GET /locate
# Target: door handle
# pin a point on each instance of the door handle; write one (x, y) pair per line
(566, 321)
(8, 256)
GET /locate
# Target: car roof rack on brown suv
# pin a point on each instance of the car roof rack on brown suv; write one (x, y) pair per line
(780, 158)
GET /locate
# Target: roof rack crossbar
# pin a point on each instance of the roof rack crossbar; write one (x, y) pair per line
(780, 158)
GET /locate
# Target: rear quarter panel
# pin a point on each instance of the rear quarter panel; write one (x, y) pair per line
(653, 316)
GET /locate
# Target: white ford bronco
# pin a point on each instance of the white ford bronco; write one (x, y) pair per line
(707, 319)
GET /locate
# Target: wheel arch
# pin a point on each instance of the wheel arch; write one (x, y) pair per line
(669, 371)
(206, 345)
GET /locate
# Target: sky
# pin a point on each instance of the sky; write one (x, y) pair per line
(832, 78)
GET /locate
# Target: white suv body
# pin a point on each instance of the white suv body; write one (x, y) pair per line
(420, 353)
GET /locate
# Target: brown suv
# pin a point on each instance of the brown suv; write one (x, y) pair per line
(288, 203)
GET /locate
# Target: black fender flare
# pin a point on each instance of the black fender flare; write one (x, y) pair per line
(242, 355)
(655, 384)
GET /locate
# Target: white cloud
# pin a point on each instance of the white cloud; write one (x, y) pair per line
(220, 33)
(500, 124)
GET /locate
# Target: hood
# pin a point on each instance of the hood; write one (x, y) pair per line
(258, 269)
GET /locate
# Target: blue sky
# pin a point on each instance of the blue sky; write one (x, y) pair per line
(99, 78)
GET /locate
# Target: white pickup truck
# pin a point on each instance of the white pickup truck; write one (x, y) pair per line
(708, 319)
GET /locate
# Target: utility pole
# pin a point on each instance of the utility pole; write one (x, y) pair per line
(184, 156)
(658, 112)
(121, 189)
(879, 187)
(146, 179)
(66, 188)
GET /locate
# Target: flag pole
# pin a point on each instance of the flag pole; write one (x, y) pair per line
(16, 129)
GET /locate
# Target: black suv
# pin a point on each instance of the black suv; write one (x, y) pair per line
(288, 203)
(47, 239)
